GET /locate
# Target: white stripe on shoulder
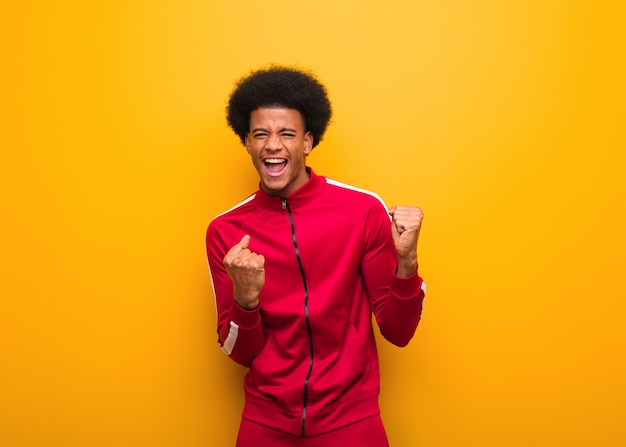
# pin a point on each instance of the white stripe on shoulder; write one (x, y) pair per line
(354, 188)
(242, 203)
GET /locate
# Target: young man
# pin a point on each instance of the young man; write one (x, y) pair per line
(297, 270)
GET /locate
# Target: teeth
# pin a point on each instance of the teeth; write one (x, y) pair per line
(274, 160)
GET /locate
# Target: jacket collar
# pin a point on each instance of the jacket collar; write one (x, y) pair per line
(300, 197)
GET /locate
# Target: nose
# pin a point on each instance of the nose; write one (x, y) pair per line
(273, 142)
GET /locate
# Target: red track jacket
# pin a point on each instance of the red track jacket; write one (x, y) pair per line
(329, 263)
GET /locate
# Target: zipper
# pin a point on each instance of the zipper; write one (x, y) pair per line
(307, 316)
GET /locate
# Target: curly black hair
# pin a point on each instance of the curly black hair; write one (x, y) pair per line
(280, 86)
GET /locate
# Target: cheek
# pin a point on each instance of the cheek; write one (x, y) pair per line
(249, 145)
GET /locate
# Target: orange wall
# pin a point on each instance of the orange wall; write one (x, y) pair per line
(503, 120)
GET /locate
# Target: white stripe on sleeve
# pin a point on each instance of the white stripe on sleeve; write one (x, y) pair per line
(229, 343)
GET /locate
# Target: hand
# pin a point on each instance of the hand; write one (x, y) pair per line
(406, 223)
(247, 272)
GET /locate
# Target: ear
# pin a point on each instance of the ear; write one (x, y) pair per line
(308, 143)
(247, 143)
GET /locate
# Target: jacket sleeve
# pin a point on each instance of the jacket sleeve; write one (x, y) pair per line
(240, 332)
(396, 302)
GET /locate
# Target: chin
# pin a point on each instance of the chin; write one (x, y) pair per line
(273, 189)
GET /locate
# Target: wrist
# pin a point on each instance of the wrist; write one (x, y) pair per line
(406, 267)
(247, 304)
(246, 299)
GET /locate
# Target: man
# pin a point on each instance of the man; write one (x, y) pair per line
(297, 270)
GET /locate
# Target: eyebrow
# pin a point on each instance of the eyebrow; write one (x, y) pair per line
(267, 130)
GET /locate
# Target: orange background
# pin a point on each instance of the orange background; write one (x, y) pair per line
(505, 121)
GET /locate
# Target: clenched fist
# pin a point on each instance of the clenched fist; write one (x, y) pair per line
(247, 272)
(406, 223)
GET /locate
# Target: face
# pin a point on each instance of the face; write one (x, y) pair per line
(278, 145)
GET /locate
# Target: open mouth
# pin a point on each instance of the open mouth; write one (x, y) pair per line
(275, 166)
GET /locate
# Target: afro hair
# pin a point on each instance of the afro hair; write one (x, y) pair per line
(280, 86)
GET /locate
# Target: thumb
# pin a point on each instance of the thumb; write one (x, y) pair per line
(244, 242)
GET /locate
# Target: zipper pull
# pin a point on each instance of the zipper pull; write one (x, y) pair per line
(284, 200)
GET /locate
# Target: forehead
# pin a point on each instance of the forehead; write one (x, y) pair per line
(276, 117)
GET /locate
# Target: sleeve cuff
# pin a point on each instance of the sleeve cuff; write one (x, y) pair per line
(245, 318)
(407, 288)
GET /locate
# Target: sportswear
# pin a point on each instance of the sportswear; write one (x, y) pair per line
(368, 432)
(330, 263)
